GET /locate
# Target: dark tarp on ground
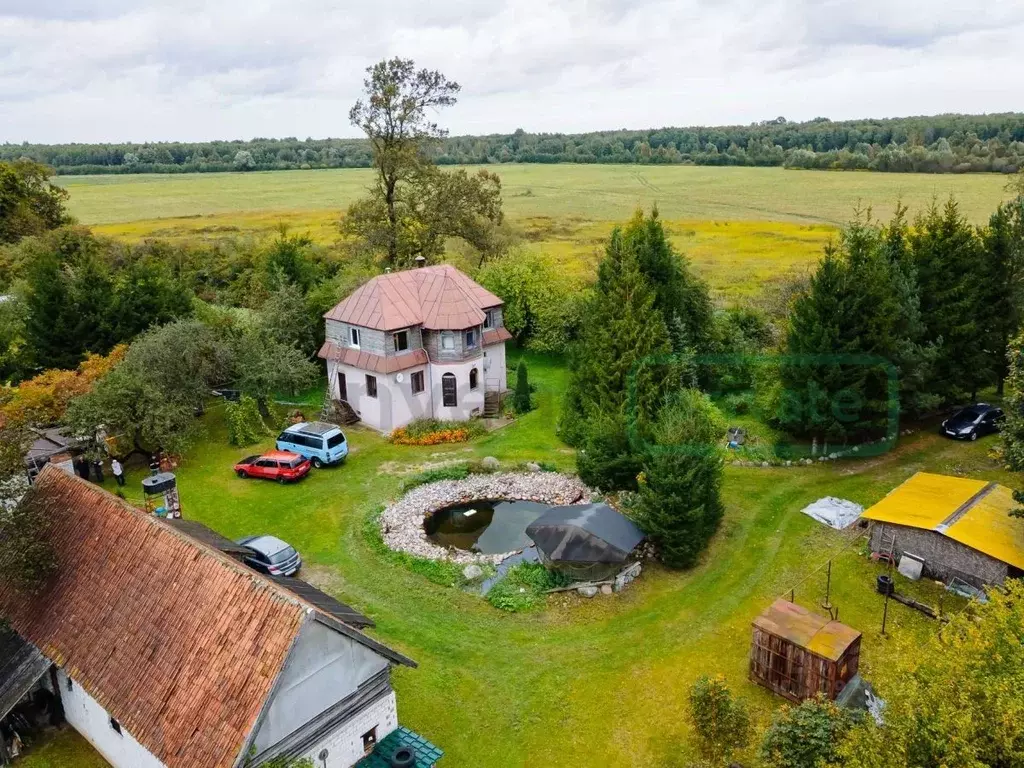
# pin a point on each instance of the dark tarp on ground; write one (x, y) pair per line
(21, 666)
(584, 533)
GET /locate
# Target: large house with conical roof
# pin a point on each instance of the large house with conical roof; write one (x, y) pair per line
(421, 343)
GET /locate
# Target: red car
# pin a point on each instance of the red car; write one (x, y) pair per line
(283, 466)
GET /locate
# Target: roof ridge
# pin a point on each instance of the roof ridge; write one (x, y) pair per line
(966, 507)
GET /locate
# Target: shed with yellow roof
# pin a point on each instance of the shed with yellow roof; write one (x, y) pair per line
(958, 526)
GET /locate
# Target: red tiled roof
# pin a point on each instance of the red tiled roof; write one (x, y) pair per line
(494, 335)
(368, 361)
(179, 643)
(439, 298)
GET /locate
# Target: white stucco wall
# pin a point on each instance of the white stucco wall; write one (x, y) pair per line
(467, 400)
(323, 668)
(345, 745)
(374, 411)
(495, 367)
(406, 406)
(87, 717)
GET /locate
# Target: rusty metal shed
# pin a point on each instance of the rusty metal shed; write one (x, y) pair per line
(799, 654)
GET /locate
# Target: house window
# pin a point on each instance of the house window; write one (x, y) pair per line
(371, 385)
(115, 726)
(447, 340)
(471, 338)
(353, 336)
(488, 319)
(473, 375)
(417, 382)
(448, 390)
(401, 340)
(369, 740)
(69, 684)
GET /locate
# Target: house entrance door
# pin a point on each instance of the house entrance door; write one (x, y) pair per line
(342, 387)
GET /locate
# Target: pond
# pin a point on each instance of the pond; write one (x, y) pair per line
(490, 527)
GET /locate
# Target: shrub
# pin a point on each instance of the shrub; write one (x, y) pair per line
(521, 399)
(245, 424)
(721, 723)
(805, 736)
(606, 460)
(523, 586)
(452, 472)
(436, 432)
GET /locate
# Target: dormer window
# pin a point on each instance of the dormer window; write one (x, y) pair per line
(353, 337)
(401, 341)
(471, 338)
(488, 319)
(448, 340)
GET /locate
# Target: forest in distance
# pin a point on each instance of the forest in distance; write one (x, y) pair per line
(951, 143)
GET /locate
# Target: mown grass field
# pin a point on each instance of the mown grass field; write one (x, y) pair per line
(742, 227)
(599, 682)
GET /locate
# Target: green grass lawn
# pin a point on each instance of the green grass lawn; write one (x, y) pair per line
(62, 749)
(599, 682)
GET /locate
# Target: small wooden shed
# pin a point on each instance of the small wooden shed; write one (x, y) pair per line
(799, 654)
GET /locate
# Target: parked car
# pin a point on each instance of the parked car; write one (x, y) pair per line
(283, 466)
(973, 422)
(271, 555)
(322, 443)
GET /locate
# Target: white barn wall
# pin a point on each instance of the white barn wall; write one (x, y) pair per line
(87, 717)
(345, 745)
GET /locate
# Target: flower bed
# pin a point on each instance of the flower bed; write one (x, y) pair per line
(434, 432)
(402, 521)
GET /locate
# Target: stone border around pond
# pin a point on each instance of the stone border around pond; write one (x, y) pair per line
(402, 521)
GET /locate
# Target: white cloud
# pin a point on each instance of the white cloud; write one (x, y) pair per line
(109, 70)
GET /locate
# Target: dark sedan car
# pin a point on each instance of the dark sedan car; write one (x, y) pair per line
(271, 555)
(973, 422)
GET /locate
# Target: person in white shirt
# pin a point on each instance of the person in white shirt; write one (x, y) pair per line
(118, 470)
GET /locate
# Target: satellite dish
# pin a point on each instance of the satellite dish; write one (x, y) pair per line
(399, 377)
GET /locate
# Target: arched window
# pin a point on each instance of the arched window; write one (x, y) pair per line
(448, 390)
(473, 376)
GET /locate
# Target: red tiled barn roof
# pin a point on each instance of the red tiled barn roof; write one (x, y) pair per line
(438, 298)
(179, 643)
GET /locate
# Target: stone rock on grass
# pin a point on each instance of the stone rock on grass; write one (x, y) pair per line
(472, 572)
(489, 462)
(606, 589)
(587, 591)
(533, 466)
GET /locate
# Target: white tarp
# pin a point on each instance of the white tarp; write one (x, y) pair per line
(833, 512)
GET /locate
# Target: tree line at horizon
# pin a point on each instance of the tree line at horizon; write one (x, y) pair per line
(928, 144)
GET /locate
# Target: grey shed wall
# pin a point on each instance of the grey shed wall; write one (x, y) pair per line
(943, 557)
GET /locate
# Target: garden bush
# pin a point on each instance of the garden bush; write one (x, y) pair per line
(245, 424)
(805, 736)
(436, 432)
(720, 722)
(522, 588)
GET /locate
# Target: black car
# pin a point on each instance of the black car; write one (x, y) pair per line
(271, 555)
(973, 422)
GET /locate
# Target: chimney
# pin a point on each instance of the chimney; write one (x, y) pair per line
(421, 260)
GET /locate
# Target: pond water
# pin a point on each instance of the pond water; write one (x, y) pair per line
(490, 527)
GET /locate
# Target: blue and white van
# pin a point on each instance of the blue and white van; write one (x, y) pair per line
(323, 444)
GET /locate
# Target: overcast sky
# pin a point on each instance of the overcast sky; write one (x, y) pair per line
(138, 70)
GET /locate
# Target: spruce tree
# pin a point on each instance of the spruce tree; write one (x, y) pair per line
(680, 296)
(49, 324)
(1002, 283)
(521, 397)
(611, 371)
(947, 253)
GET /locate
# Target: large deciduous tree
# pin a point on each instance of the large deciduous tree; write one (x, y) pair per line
(413, 206)
(956, 701)
(29, 202)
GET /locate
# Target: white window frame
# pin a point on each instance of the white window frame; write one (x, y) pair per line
(394, 340)
(488, 319)
(412, 382)
(476, 338)
(353, 337)
(448, 341)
